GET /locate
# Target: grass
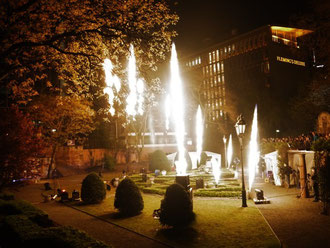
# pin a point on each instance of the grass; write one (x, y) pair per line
(219, 223)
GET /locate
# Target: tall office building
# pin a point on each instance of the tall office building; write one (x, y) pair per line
(265, 67)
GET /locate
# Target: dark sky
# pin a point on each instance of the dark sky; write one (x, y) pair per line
(206, 22)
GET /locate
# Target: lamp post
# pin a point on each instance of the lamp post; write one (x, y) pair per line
(225, 145)
(240, 129)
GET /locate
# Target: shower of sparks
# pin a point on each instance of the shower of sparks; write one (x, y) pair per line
(167, 112)
(112, 81)
(132, 97)
(178, 111)
(229, 151)
(199, 133)
(253, 149)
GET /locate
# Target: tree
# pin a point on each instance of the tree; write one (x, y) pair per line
(70, 39)
(62, 118)
(19, 145)
(315, 98)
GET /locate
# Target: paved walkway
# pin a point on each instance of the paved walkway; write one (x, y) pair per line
(296, 221)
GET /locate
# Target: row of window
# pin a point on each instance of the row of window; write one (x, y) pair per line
(193, 62)
(284, 41)
(213, 69)
(214, 93)
(216, 114)
(237, 47)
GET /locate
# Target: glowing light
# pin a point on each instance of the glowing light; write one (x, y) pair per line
(199, 133)
(178, 111)
(253, 149)
(216, 169)
(167, 111)
(229, 151)
(112, 81)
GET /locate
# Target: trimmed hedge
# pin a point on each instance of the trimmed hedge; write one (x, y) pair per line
(159, 161)
(128, 198)
(92, 189)
(176, 208)
(22, 232)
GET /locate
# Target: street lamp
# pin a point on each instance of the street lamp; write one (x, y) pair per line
(240, 129)
(225, 142)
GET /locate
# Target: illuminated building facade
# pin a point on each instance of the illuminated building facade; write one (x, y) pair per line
(265, 66)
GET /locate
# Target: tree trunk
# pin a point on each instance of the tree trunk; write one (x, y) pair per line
(51, 160)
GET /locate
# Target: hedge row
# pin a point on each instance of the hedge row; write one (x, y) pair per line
(23, 225)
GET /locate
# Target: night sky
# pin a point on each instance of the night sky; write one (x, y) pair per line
(206, 22)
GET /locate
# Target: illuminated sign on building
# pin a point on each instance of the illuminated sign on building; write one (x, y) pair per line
(290, 61)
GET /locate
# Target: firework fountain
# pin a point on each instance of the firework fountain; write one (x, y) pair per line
(113, 83)
(178, 112)
(253, 158)
(229, 151)
(199, 134)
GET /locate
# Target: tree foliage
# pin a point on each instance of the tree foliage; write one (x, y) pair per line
(19, 145)
(62, 118)
(71, 38)
(314, 99)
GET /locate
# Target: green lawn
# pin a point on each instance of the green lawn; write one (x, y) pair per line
(220, 222)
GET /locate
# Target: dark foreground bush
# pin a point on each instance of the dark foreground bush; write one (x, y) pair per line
(14, 207)
(159, 161)
(176, 208)
(20, 231)
(92, 189)
(128, 198)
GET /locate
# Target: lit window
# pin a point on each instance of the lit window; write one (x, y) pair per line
(220, 101)
(207, 70)
(225, 50)
(219, 78)
(217, 114)
(203, 71)
(199, 60)
(221, 113)
(210, 58)
(193, 63)
(229, 49)
(211, 70)
(233, 47)
(217, 53)
(222, 67)
(215, 80)
(213, 56)
(214, 69)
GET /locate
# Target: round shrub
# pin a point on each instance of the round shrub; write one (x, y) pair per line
(176, 208)
(92, 189)
(159, 161)
(128, 198)
(188, 159)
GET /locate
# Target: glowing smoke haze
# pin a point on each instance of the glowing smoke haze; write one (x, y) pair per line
(199, 133)
(253, 158)
(112, 81)
(178, 111)
(229, 151)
